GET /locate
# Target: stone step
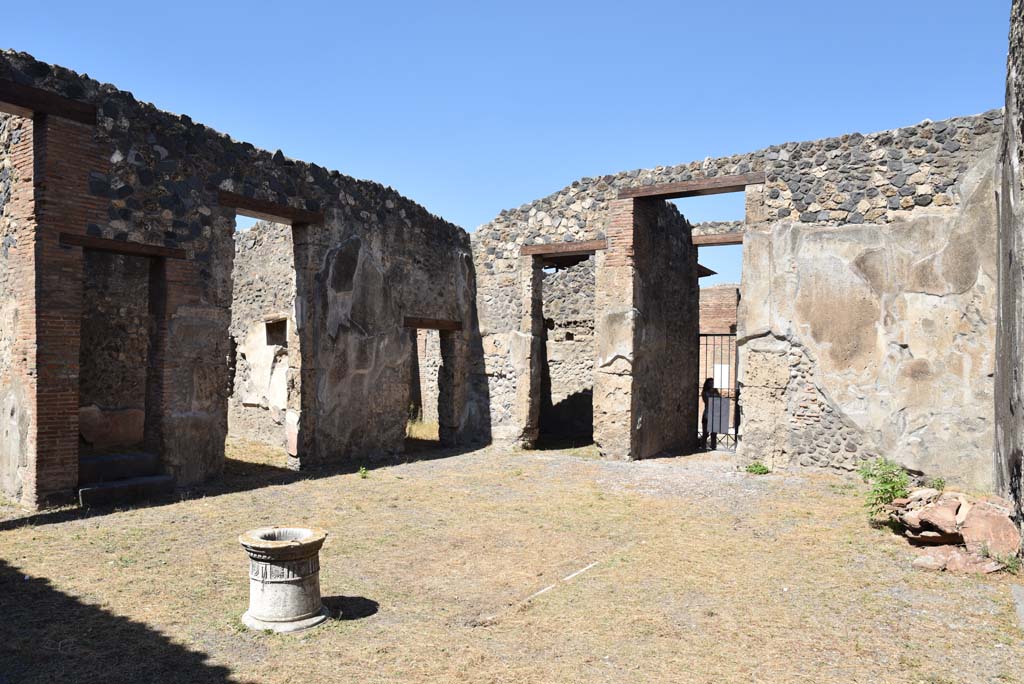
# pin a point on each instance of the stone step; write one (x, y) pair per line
(110, 467)
(126, 491)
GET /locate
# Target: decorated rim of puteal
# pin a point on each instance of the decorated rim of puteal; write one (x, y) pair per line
(282, 541)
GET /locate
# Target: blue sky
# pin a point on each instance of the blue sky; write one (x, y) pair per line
(473, 107)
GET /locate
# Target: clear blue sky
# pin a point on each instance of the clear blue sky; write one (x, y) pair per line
(472, 107)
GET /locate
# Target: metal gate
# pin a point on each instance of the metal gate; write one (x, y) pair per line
(718, 391)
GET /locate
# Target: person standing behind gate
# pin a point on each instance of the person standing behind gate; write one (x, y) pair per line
(709, 393)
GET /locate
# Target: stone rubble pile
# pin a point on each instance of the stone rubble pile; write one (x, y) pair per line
(960, 534)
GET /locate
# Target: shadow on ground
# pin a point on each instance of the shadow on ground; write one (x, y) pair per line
(351, 607)
(49, 636)
(240, 475)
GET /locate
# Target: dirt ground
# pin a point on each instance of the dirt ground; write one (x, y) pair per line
(502, 566)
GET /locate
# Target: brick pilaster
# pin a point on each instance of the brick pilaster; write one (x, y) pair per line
(65, 154)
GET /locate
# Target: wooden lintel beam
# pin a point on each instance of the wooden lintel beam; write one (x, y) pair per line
(564, 248)
(121, 246)
(268, 211)
(694, 188)
(720, 239)
(431, 323)
(24, 100)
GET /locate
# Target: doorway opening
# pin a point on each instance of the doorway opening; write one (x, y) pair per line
(117, 326)
(567, 351)
(717, 222)
(422, 431)
(263, 356)
(436, 377)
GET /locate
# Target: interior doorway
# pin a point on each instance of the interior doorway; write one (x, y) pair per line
(263, 360)
(436, 379)
(567, 352)
(117, 327)
(423, 427)
(718, 222)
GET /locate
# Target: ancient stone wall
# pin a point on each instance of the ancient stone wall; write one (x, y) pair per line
(882, 182)
(1009, 403)
(264, 297)
(114, 349)
(149, 177)
(866, 340)
(665, 355)
(17, 382)
(354, 339)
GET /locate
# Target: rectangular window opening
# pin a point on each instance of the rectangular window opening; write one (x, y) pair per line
(277, 333)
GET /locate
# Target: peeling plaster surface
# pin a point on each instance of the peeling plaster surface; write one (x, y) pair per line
(866, 340)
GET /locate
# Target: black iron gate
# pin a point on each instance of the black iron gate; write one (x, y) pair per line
(719, 391)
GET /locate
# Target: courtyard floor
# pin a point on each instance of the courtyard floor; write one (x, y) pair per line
(502, 566)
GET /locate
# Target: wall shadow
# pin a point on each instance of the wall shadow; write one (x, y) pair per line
(571, 418)
(240, 476)
(48, 636)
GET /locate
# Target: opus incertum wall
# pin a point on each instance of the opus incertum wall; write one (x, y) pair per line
(85, 166)
(868, 295)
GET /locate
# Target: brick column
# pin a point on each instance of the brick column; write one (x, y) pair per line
(65, 155)
(614, 322)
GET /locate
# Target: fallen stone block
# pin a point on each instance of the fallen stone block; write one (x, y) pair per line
(988, 530)
(923, 494)
(941, 515)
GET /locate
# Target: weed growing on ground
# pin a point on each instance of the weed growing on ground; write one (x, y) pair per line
(757, 468)
(938, 483)
(363, 473)
(1010, 563)
(888, 480)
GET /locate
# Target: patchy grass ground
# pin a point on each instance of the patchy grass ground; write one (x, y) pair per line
(674, 570)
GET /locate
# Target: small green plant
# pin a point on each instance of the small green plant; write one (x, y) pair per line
(757, 468)
(1010, 563)
(888, 480)
(938, 483)
(363, 473)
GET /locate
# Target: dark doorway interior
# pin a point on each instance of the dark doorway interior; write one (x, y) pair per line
(116, 332)
(567, 353)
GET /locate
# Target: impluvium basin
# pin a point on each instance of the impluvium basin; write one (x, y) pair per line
(284, 578)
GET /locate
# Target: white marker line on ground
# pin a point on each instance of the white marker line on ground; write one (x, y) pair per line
(579, 572)
(622, 550)
(538, 593)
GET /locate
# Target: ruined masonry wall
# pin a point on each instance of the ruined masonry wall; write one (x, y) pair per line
(153, 177)
(115, 331)
(665, 354)
(17, 384)
(881, 182)
(874, 340)
(114, 349)
(1009, 392)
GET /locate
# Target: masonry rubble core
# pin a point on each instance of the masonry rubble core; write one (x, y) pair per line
(133, 317)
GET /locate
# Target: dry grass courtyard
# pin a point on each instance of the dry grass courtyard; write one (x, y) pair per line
(671, 570)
